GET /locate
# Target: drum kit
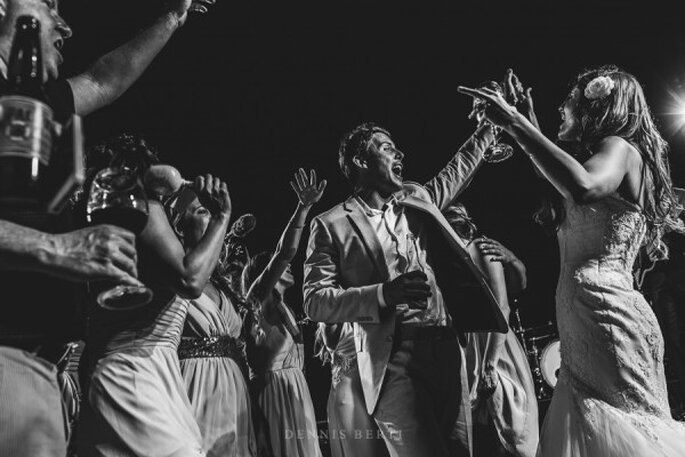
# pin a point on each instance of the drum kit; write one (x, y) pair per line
(541, 345)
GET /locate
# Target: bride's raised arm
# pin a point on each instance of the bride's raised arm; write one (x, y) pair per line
(597, 178)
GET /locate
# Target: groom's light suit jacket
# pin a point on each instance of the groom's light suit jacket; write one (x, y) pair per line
(345, 267)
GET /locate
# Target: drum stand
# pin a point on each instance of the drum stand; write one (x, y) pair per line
(530, 346)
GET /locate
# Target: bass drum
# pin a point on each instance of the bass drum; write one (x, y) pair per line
(550, 362)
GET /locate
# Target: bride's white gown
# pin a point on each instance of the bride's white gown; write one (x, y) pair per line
(610, 400)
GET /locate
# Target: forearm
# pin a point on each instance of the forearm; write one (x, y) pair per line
(112, 74)
(262, 287)
(457, 174)
(516, 277)
(565, 173)
(26, 249)
(334, 305)
(493, 348)
(497, 279)
(199, 262)
(290, 239)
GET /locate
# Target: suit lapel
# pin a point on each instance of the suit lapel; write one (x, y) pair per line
(421, 205)
(359, 220)
(489, 316)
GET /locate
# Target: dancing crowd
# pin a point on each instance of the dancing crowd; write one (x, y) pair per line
(410, 299)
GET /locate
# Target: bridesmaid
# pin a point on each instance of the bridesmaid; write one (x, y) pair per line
(503, 401)
(212, 352)
(137, 401)
(275, 349)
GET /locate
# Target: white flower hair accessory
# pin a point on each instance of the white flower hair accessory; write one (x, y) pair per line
(599, 87)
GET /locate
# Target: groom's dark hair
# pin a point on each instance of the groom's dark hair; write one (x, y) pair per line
(356, 143)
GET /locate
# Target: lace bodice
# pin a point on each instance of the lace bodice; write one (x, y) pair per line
(605, 235)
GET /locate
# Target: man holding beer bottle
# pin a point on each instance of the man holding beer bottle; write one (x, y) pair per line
(40, 261)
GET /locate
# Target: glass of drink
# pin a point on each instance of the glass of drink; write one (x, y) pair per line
(117, 197)
(497, 152)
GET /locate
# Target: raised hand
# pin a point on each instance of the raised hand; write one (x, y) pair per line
(513, 89)
(213, 194)
(201, 6)
(497, 111)
(411, 287)
(495, 251)
(306, 188)
(530, 109)
(181, 8)
(515, 94)
(101, 252)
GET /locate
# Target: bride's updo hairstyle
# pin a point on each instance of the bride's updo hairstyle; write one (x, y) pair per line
(612, 103)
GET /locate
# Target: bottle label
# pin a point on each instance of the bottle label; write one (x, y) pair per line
(26, 127)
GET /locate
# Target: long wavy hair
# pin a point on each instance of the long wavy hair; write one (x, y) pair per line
(624, 113)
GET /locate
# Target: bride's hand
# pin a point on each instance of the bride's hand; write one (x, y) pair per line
(513, 89)
(515, 93)
(530, 109)
(498, 111)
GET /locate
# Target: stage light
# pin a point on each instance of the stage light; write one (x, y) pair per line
(676, 110)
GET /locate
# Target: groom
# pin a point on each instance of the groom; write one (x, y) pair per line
(387, 261)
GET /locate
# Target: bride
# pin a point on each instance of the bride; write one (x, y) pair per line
(616, 196)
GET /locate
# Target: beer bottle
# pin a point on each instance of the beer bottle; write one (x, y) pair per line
(26, 121)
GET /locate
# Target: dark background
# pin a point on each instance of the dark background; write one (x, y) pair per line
(251, 92)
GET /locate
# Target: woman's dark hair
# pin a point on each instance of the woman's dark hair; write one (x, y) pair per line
(460, 221)
(126, 149)
(624, 113)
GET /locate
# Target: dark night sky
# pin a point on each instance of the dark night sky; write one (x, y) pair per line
(250, 92)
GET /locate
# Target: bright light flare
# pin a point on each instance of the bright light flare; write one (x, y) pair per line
(676, 110)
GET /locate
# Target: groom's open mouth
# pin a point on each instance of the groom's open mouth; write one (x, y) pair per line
(397, 170)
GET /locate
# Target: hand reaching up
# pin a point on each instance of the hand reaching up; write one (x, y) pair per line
(513, 89)
(529, 109)
(213, 194)
(497, 110)
(516, 95)
(306, 187)
(181, 8)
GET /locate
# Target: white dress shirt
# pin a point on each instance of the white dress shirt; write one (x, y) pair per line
(405, 251)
